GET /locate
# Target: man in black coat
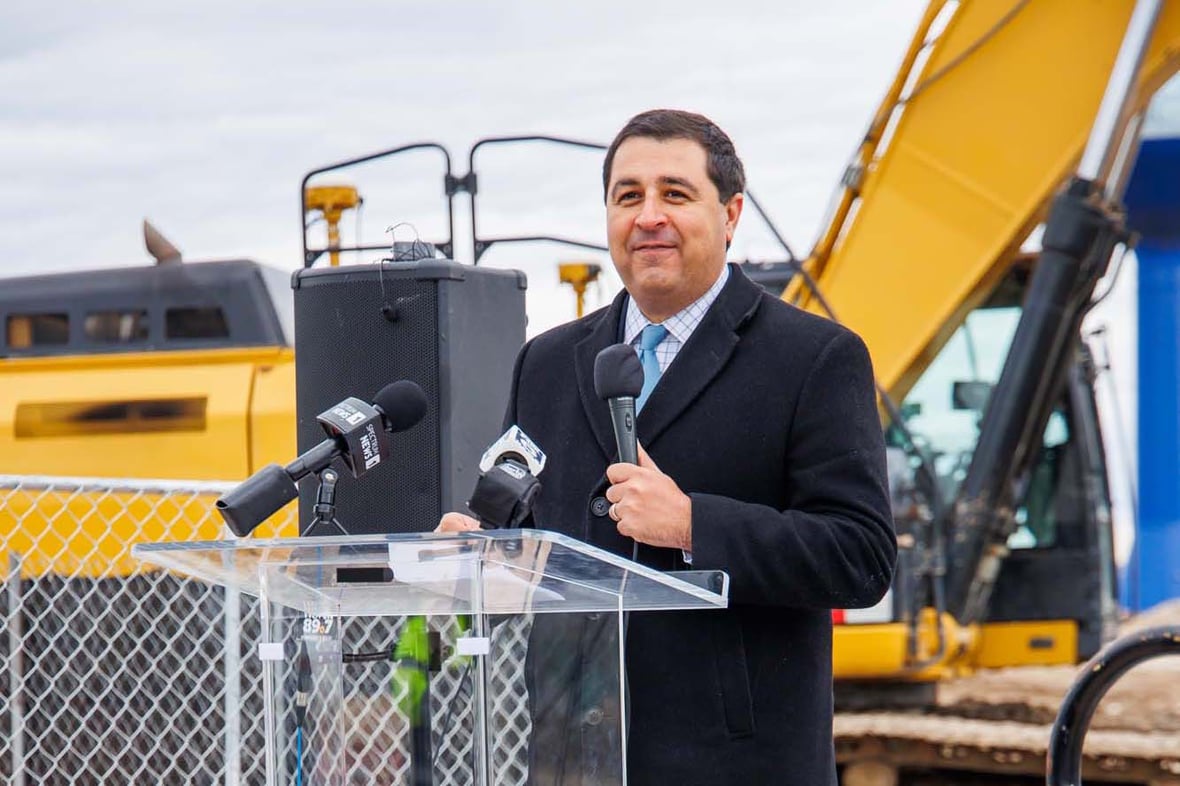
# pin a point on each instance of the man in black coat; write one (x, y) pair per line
(761, 455)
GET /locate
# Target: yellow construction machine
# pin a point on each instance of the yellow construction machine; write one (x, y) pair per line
(1006, 120)
(177, 370)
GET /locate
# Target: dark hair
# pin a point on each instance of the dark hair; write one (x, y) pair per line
(722, 164)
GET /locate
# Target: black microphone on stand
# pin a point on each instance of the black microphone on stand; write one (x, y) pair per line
(357, 432)
(618, 378)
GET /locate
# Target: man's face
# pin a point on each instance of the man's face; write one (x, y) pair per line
(666, 225)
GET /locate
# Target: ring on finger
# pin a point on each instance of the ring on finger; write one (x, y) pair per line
(614, 511)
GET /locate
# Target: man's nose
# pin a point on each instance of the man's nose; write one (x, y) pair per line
(651, 215)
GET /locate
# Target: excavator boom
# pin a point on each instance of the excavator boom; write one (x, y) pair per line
(985, 131)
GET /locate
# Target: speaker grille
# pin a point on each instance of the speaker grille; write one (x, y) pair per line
(345, 347)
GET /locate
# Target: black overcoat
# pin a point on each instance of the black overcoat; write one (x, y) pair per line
(767, 418)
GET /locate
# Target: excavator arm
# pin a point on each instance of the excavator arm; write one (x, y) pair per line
(981, 127)
(986, 120)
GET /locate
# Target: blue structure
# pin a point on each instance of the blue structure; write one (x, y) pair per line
(1153, 206)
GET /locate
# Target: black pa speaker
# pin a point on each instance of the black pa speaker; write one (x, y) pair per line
(453, 329)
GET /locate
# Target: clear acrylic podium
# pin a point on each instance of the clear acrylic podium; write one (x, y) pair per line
(492, 657)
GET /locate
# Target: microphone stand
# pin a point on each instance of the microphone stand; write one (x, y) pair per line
(325, 502)
(418, 648)
(325, 513)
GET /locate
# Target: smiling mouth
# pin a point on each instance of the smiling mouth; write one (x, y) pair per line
(654, 247)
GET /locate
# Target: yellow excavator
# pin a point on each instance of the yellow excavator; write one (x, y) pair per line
(1005, 119)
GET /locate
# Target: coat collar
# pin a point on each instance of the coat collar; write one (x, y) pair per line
(696, 364)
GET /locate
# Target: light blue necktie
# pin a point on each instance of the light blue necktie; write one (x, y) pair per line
(648, 341)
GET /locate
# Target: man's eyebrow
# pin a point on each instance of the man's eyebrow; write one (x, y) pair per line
(627, 182)
(672, 180)
(665, 180)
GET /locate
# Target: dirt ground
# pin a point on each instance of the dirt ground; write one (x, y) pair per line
(1145, 699)
(1005, 715)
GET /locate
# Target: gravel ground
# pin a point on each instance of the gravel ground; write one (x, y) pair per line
(1010, 711)
(1145, 699)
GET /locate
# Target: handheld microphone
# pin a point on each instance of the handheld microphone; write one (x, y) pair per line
(357, 432)
(618, 378)
(507, 487)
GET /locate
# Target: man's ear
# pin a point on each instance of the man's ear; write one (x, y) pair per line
(733, 212)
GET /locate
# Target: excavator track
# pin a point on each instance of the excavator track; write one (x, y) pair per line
(993, 728)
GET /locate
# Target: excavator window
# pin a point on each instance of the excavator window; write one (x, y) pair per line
(29, 330)
(116, 326)
(1053, 488)
(945, 407)
(944, 411)
(195, 322)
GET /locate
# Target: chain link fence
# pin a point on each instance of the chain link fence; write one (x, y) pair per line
(114, 673)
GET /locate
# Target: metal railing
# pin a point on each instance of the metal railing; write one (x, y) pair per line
(1064, 759)
(111, 672)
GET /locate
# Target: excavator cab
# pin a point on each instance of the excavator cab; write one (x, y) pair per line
(1055, 596)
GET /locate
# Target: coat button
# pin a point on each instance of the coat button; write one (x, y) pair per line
(593, 716)
(599, 506)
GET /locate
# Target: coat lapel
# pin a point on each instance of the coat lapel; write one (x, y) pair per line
(602, 334)
(701, 359)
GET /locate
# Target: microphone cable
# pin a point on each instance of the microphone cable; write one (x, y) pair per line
(299, 756)
(460, 693)
(369, 657)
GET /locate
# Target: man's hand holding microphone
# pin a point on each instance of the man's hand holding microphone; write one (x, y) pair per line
(646, 504)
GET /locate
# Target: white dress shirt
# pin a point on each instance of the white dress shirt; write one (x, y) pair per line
(680, 326)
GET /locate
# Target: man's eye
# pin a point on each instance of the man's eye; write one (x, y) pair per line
(675, 194)
(628, 196)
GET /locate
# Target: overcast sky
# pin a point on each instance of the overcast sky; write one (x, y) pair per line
(204, 118)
